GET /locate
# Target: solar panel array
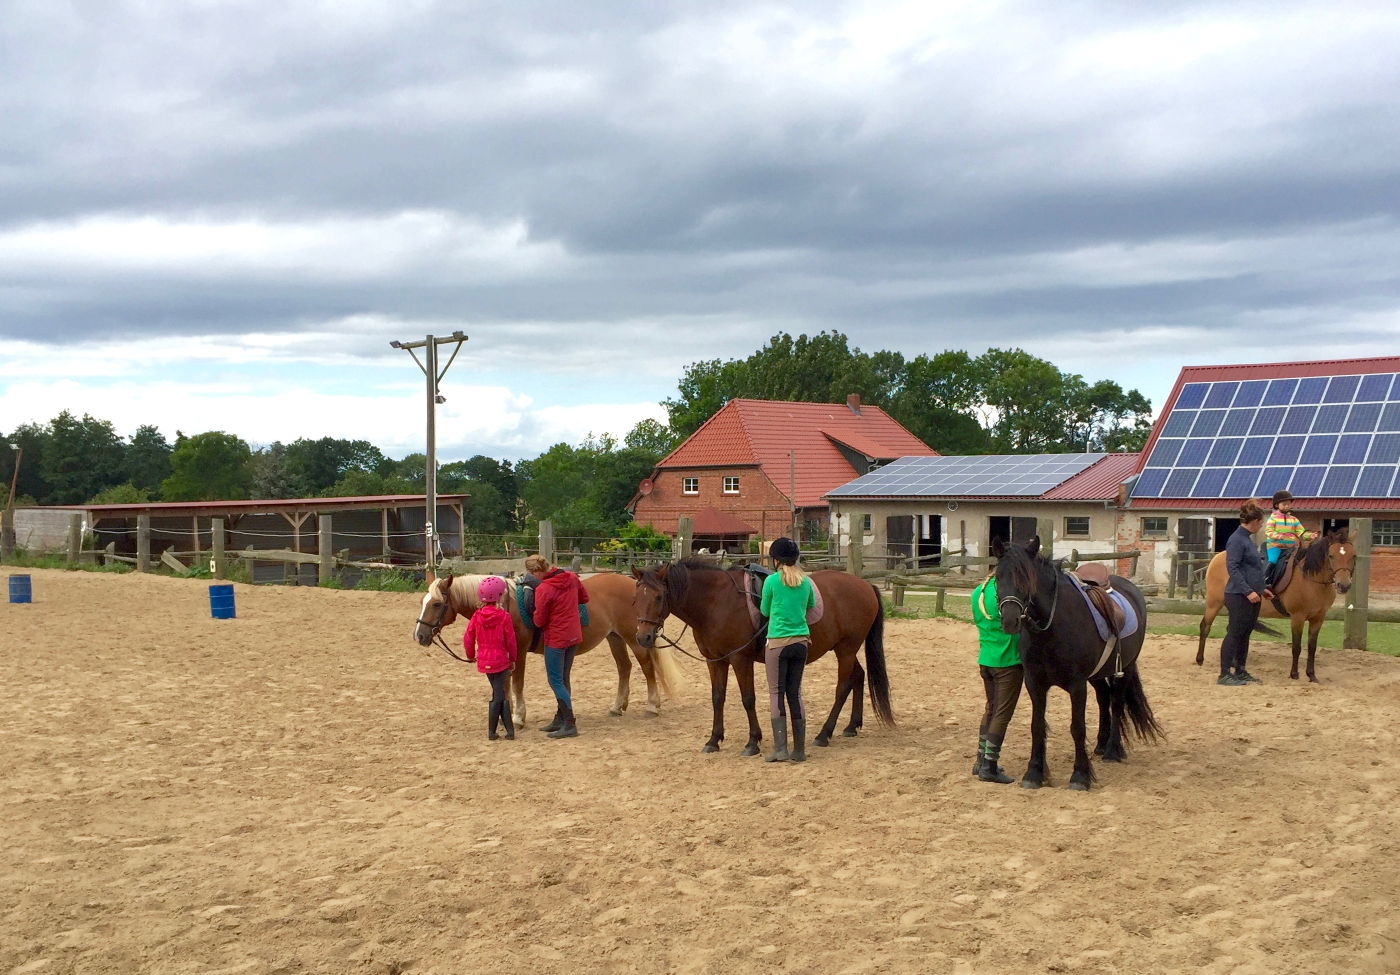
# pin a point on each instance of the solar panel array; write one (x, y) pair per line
(962, 477)
(1318, 437)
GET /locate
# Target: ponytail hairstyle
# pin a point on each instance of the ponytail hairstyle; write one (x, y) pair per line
(784, 552)
(792, 575)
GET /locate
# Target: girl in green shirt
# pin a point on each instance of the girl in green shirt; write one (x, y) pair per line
(787, 596)
(1002, 676)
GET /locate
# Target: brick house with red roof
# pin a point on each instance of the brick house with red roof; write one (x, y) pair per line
(758, 465)
(1326, 430)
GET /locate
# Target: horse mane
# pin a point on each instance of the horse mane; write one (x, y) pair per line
(463, 593)
(1314, 557)
(1023, 568)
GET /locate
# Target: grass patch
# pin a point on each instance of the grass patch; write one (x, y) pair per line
(389, 580)
(1380, 637)
(24, 560)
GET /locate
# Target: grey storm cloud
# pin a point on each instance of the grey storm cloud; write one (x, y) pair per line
(916, 177)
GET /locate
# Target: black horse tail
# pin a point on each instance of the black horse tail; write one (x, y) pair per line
(1137, 710)
(875, 670)
(1263, 627)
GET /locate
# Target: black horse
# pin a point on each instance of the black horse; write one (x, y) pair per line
(1061, 647)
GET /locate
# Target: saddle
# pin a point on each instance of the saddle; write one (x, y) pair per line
(1114, 616)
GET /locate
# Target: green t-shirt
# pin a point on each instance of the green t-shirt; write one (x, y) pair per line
(996, 647)
(786, 606)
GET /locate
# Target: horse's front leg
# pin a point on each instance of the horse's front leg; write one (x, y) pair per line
(743, 675)
(719, 677)
(646, 659)
(1297, 625)
(618, 646)
(1083, 776)
(1036, 772)
(1314, 631)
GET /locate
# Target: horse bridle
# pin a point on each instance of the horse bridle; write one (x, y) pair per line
(1024, 606)
(664, 612)
(436, 628)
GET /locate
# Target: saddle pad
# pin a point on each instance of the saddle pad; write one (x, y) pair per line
(1130, 616)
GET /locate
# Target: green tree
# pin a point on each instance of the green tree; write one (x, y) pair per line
(126, 493)
(269, 475)
(362, 484)
(147, 459)
(211, 466)
(314, 465)
(651, 436)
(80, 458)
(1025, 401)
(937, 401)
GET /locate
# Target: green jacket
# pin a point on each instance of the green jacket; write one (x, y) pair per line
(786, 607)
(996, 647)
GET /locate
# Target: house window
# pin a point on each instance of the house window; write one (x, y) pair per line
(1385, 533)
(1077, 526)
(1154, 526)
(731, 485)
(865, 523)
(690, 485)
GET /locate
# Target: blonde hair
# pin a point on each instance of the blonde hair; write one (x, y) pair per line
(791, 575)
(536, 563)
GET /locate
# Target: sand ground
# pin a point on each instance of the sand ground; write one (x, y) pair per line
(303, 789)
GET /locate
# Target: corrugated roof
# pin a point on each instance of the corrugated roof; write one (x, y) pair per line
(764, 432)
(711, 521)
(1098, 483)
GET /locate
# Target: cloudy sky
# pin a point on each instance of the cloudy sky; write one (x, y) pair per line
(216, 215)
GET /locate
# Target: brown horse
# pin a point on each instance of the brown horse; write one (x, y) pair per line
(1320, 573)
(610, 617)
(713, 601)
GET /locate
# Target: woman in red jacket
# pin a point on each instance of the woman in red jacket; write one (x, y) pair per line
(557, 600)
(490, 641)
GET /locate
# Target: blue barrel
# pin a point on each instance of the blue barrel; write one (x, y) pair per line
(20, 591)
(221, 602)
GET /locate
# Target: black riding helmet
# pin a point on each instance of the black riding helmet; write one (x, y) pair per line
(1280, 497)
(783, 550)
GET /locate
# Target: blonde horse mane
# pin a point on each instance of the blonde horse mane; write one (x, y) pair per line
(464, 593)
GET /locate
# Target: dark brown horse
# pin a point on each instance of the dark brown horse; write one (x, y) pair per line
(713, 601)
(1322, 571)
(610, 617)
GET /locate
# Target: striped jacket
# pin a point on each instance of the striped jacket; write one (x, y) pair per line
(1283, 530)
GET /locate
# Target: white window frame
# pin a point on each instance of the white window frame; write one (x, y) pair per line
(731, 484)
(1088, 526)
(1155, 532)
(690, 485)
(1385, 531)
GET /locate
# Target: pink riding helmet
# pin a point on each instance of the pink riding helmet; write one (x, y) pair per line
(490, 589)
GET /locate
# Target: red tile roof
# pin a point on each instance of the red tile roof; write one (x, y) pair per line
(1097, 483)
(709, 521)
(746, 432)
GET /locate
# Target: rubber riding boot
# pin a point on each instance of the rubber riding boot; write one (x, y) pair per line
(567, 729)
(493, 720)
(799, 740)
(506, 720)
(991, 771)
(1230, 680)
(979, 760)
(780, 741)
(558, 720)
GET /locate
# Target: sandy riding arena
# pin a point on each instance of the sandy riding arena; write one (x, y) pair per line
(303, 789)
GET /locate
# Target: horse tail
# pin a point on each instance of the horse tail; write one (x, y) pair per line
(1263, 627)
(668, 673)
(876, 673)
(1137, 710)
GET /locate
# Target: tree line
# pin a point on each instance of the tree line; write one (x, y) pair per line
(1003, 401)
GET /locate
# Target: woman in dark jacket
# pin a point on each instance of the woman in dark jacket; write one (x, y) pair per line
(1244, 590)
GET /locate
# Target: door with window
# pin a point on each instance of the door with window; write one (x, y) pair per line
(1194, 537)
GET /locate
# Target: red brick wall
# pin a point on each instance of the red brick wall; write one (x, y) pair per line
(758, 504)
(1385, 571)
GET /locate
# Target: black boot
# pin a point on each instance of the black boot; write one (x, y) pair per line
(799, 740)
(506, 720)
(558, 721)
(567, 729)
(991, 771)
(780, 741)
(979, 761)
(493, 720)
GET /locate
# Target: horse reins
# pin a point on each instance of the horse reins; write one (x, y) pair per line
(437, 633)
(664, 612)
(1025, 606)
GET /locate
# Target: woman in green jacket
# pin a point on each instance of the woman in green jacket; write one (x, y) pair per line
(787, 596)
(1002, 676)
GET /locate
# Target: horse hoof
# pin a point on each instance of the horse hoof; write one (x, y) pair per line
(1029, 784)
(1098, 752)
(848, 733)
(650, 713)
(821, 742)
(710, 748)
(1078, 787)
(1313, 680)
(749, 750)
(1292, 676)
(1111, 758)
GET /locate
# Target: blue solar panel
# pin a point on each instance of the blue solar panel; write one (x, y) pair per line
(1352, 448)
(1280, 392)
(1241, 482)
(1237, 423)
(1165, 453)
(1373, 388)
(1220, 395)
(1342, 389)
(1363, 418)
(1298, 419)
(1390, 417)
(1275, 478)
(1179, 423)
(1150, 483)
(1207, 423)
(1192, 396)
(1267, 421)
(982, 475)
(1310, 390)
(1251, 393)
(1374, 482)
(1329, 419)
(1180, 482)
(1193, 453)
(1254, 451)
(1340, 482)
(1307, 481)
(1385, 449)
(1286, 450)
(1210, 483)
(1318, 450)
(1224, 451)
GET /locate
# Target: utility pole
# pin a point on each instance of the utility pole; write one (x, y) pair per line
(429, 367)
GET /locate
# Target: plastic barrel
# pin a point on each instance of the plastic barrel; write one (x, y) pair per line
(20, 591)
(221, 602)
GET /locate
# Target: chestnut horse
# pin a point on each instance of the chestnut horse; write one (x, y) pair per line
(1321, 571)
(610, 617)
(714, 603)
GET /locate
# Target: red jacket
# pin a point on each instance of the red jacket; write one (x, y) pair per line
(557, 599)
(490, 640)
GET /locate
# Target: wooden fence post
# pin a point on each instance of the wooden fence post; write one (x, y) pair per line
(547, 541)
(216, 545)
(1171, 575)
(7, 533)
(855, 549)
(325, 567)
(898, 594)
(1358, 598)
(1045, 528)
(143, 543)
(685, 535)
(75, 538)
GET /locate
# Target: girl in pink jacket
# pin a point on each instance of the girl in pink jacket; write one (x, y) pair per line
(490, 641)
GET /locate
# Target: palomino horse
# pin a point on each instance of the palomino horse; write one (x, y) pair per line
(714, 602)
(1060, 647)
(1321, 572)
(610, 617)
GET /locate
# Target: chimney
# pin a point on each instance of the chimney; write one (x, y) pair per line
(853, 403)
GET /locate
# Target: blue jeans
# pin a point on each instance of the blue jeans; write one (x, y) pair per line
(558, 665)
